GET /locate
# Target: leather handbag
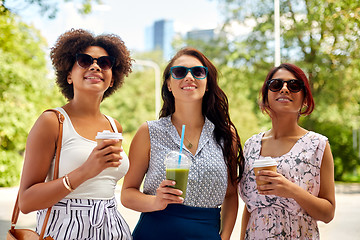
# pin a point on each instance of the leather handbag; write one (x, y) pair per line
(28, 234)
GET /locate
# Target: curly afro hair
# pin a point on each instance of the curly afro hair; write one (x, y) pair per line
(63, 57)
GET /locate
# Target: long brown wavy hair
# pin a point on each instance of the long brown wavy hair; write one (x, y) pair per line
(215, 107)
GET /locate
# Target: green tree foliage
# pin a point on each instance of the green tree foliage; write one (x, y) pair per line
(134, 102)
(47, 8)
(25, 87)
(320, 36)
(24, 91)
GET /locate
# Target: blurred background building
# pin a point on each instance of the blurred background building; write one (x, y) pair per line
(160, 36)
(202, 34)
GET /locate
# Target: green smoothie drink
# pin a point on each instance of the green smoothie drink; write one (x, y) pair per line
(180, 176)
(178, 171)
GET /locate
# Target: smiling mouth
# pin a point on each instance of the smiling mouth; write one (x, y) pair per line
(94, 78)
(188, 88)
(284, 99)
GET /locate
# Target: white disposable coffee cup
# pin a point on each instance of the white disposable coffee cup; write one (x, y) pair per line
(106, 134)
(266, 163)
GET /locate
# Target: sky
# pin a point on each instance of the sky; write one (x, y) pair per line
(127, 18)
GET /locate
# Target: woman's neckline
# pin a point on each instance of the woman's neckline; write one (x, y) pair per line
(291, 149)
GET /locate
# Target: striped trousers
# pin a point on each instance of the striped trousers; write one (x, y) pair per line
(84, 219)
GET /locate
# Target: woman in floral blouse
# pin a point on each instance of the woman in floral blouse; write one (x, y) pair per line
(302, 190)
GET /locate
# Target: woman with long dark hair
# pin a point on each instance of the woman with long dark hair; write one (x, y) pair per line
(192, 98)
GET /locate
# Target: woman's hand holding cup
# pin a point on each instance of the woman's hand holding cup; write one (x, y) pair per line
(107, 153)
(165, 194)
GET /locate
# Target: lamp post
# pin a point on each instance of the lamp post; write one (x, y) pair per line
(277, 32)
(156, 68)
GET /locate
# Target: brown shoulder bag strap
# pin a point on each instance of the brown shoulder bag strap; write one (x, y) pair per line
(16, 210)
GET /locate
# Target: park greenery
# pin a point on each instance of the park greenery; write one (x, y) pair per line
(321, 36)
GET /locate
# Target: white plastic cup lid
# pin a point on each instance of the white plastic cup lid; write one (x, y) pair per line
(106, 134)
(265, 162)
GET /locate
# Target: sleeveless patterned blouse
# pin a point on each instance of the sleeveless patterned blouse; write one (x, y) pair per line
(207, 182)
(274, 217)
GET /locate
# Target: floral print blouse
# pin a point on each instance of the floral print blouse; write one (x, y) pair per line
(274, 217)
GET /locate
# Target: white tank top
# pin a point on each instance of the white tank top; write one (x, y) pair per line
(74, 152)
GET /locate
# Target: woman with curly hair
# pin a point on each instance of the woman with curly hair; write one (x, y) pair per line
(192, 98)
(88, 69)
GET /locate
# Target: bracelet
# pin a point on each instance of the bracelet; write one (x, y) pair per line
(68, 182)
(66, 185)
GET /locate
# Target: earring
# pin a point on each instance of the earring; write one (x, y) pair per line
(304, 106)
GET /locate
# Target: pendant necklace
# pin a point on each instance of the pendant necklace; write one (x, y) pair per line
(189, 146)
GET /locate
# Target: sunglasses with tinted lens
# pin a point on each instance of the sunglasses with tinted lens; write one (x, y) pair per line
(104, 62)
(198, 72)
(293, 85)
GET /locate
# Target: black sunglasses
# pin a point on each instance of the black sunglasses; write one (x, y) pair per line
(293, 85)
(104, 62)
(198, 72)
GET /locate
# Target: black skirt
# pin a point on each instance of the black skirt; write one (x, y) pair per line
(179, 222)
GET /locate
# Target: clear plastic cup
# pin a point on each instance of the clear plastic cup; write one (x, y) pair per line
(178, 171)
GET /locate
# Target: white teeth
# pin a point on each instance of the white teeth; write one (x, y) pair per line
(93, 78)
(283, 99)
(186, 88)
